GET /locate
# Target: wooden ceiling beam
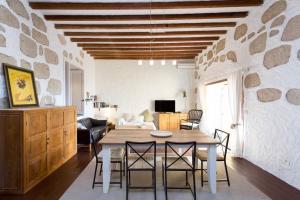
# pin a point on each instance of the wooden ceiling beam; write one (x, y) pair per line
(145, 53)
(189, 57)
(143, 5)
(146, 49)
(166, 40)
(144, 57)
(221, 15)
(132, 45)
(136, 34)
(145, 26)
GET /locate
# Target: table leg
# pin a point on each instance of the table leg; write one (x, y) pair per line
(106, 167)
(211, 167)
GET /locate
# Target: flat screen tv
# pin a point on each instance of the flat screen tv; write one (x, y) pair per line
(164, 105)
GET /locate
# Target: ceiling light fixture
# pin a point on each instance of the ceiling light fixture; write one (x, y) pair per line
(151, 62)
(174, 62)
(140, 62)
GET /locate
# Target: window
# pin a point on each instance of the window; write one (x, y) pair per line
(218, 115)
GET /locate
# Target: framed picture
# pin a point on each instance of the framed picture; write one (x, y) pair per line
(21, 87)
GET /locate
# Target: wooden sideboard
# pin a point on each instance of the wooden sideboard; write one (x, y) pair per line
(170, 121)
(33, 143)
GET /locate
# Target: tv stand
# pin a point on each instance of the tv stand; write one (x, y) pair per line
(170, 121)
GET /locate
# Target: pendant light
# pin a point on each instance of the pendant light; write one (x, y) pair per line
(140, 62)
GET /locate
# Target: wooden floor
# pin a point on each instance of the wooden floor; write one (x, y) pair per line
(56, 184)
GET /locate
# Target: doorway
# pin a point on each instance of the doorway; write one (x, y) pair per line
(74, 87)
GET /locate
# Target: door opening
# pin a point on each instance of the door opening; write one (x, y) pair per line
(74, 87)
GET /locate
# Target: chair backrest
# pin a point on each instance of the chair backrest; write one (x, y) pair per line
(223, 137)
(174, 156)
(140, 152)
(94, 144)
(195, 115)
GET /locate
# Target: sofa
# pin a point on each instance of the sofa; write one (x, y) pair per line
(88, 126)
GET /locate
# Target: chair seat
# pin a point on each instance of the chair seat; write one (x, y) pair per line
(116, 154)
(203, 155)
(179, 164)
(189, 124)
(140, 164)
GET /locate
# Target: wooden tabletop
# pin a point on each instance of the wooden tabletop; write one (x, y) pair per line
(121, 136)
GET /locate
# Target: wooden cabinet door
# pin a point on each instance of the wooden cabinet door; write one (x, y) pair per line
(69, 116)
(54, 148)
(56, 118)
(174, 122)
(36, 167)
(36, 122)
(164, 121)
(70, 141)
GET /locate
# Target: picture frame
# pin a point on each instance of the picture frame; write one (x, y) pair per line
(21, 88)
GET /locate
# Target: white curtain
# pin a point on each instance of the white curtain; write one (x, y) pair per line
(202, 104)
(235, 93)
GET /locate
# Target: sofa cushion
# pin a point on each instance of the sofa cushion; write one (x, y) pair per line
(96, 122)
(86, 122)
(80, 126)
(99, 129)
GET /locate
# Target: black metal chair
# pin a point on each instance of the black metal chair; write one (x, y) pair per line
(178, 162)
(140, 156)
(117, 157)
(193, 121)
(202, 155)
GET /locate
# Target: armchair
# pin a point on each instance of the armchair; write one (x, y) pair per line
(193, 121)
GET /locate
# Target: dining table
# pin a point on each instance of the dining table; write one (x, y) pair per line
(118, 138)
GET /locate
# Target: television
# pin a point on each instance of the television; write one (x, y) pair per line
(164, 105)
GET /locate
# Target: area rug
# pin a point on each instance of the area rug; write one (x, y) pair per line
(240, 188)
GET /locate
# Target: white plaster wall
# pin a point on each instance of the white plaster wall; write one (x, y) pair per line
(12, 48)
(272, 139)
(134, 88)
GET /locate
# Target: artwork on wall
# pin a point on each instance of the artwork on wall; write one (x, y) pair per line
(20, 86)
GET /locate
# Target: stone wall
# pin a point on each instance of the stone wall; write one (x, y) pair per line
(266, 45)
(28, 41)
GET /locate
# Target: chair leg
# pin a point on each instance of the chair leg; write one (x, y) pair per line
(186, 178)
(201, 173)
(127, 182)
(163, 175)
(166, 185)
(100, 169)
(95, 175)
(124, 167)
(129, 178)
(121, 171)
(227, 176)
(154, 182)
(194, 185)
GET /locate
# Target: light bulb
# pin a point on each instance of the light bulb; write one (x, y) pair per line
(174, 62)
(151, 62)
(140, 62)
(163, 62)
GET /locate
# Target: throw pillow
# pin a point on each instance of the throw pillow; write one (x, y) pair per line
(80, 126)
(148, 116)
